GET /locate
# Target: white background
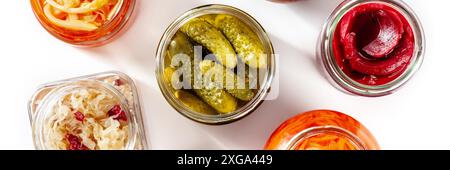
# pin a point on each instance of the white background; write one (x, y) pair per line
(416, 117)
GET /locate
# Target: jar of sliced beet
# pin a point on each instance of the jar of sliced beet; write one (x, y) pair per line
(372, 47)
(322, 130)
(83, 23)
(95, 112)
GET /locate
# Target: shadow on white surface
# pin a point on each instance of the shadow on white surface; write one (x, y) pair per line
(315, 11)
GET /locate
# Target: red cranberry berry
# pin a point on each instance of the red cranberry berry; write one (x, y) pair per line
(118, 112)
(75, 143)
(79, 116)
(118, 82)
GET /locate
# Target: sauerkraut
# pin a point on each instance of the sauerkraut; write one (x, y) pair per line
(87, 119)
(122, 86)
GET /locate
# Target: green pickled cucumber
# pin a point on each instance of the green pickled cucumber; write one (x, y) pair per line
(244, 93)
(219, 99)
(189, 100)
(168, 72)
(247, 44)
(180, 44)
(210, 37)
(210, 18)
(194, 103)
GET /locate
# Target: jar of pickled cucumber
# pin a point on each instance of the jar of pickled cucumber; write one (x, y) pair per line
(322, 130)
(83, 23)
(215, 64)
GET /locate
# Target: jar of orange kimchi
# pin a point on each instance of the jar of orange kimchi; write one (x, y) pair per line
(322, 130)
(84, 23)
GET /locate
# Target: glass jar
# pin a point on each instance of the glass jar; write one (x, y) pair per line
(342, 73)
(323, 130)
(265, 75)
(88, 29)
(112, 90)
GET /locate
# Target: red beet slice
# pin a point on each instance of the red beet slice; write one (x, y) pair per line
(390, 34)
(373, 43)
(393, 63)
(357, 19)
(346, 24)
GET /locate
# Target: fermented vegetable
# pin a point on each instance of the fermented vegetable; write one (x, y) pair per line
(87, 119)
(80, 15)
(210, 37)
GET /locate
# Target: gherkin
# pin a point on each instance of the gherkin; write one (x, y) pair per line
(189, 100)
(244, 40)
(210, 37)
(194, 103)
(210, 18)
(214, 98)
(168, 73)
(238, 88)
(180, 44)
(219, 99)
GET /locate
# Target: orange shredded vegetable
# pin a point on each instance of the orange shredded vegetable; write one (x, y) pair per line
(80, 15)
(355, 136)
(326, 142)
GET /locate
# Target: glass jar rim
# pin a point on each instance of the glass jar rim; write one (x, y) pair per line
(104, 32)
(248, 107)
(328, 129)
(302, 126)
(43, 110)
(341, 79)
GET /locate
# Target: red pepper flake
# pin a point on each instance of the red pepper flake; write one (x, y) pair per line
(118, 112)
(118, 82)
(79, 116)
(75, 143)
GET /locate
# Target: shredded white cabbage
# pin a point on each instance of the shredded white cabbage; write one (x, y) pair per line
(123, 87)
(97, 130)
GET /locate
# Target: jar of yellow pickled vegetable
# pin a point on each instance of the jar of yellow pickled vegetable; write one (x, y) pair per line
(215, 64)
(83, 23)
(322, 130)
